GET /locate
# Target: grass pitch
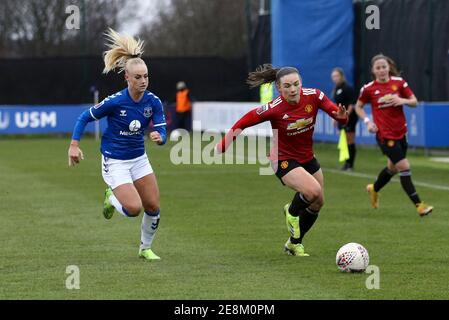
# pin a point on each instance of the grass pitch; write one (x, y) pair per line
(221, 233)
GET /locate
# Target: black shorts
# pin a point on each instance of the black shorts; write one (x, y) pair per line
(285, 166)
(352, 122)
(395, 150)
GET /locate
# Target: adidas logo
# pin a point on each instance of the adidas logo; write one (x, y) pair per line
(376, 92)
(292, 231)
(285, 116)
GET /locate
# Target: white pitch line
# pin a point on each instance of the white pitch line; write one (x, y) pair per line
(371, 177)
(359, 175)
(368, 176)
(440, 159)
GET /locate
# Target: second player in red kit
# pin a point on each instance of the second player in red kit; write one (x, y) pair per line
(388, 93)
(292, 116)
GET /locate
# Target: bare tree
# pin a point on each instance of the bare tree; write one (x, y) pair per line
(199, 27)
(38, 27)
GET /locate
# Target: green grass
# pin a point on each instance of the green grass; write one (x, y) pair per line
(221, 233)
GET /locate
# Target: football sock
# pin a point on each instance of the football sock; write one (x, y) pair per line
(150, 223)
(306, 220)
(299, 202)
(118, 206)
(352, 152)
(407, 185)
(384, 177)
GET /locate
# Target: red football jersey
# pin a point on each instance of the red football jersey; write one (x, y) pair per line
(390, 120)
(292, 125)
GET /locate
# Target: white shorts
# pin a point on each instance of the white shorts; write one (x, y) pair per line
(117, 172)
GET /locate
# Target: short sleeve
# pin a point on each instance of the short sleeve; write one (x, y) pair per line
(364, 95)
(405, 90)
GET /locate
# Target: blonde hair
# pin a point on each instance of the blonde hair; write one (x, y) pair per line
(123, 51)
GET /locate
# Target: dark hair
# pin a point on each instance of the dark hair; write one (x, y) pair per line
(342, 74)
(267, 73)
(393, 67)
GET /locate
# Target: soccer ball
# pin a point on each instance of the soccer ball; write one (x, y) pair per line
(352, 257)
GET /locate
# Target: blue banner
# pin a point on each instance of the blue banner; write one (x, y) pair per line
(19, 119)
(315, 36)
(426, 126)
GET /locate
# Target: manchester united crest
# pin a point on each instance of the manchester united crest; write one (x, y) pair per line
(284, 165)
(308, 108)
(394, 87)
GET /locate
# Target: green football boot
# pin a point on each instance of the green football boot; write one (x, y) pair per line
(295, 249)
(292, 223)
(108, 208)
(148, 254)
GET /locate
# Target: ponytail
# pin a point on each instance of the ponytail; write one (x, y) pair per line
(267, 74)
(263, 74)
(123, 50)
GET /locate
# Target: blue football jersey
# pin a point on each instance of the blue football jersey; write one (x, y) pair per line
(127, 122)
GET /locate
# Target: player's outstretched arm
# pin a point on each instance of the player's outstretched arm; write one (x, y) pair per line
(341, 113)
(248, 120)
(75, 154)
(94, 113)
(157, 137)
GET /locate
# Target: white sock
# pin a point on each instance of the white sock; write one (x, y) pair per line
(117, 205)
(150, 223)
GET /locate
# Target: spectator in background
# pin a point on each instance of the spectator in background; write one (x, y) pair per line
(344, 94)
(183, 106)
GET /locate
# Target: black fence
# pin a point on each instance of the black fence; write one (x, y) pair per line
(414, 33)
(72, 80)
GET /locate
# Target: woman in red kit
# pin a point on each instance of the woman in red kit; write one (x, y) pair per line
(388, 93)
(292, 116)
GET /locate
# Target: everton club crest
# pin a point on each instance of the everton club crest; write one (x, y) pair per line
(148, 112)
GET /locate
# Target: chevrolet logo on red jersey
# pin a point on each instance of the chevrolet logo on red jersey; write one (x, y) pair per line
(299, 124)
(385, 98)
